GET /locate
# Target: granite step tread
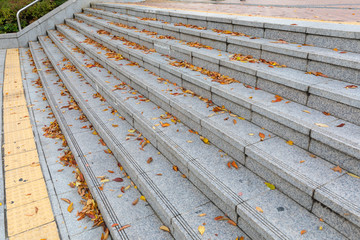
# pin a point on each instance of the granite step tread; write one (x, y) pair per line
(300, 87)
(331, 56)
(109, 91)
(177, 202)
(295, 116)
(87, 150)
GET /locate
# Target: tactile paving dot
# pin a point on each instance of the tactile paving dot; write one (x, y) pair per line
(25, 193)
(19, 147)
(22, 175)
(47, 231)
(18, 135)
(21, 160)
(29, 216)
(16, 126)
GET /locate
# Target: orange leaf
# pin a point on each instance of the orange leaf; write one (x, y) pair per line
(229, 164)
(110, 171)
(303, 232)
(259, 209)
(262, 136)
(233, 163)
(114, 225)
(70, 208)
(165, 124)
(234, 121)
(135, 202)
(126, 226)
(337, 169)
(175, 168)
(149, 160)
(66, 200)
(219, 218)
(231, 222)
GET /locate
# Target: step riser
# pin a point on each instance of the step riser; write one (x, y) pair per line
(255, 79)
(259, 116)
(294, 59)
(300, 196)
(308, 35)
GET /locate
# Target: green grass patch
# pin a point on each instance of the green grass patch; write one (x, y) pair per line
(8, 9)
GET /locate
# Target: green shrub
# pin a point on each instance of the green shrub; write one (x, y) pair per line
(8, 9)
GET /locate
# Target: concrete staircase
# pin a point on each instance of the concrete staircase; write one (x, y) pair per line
(204, 130)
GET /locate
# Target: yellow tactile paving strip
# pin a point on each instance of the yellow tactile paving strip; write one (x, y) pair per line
(29, 213)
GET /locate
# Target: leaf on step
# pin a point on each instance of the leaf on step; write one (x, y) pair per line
(175, 168)
(205, 140)
(269, 185)
(233, 163)
(201, 229)
(337, 169)
(262, 136)
(259, 209)
(110, 171)
(119, 196)
(126, 226)
(220, 218)
(115, 224)
(135, 202)
(105, 180)
(118, 180)
(149, 160)
(353, 175)
(66, 200)
(302, 232)
(351, 87)
(165, 124)
(115, 125)
(229, 164)
(94, 133)
(70, 208)
(341, 125)
(131, 130)
(165, 228)
(290, 142)
(326, 113)
(321, 125)
(335, 49)
(202, 215)
(108, 151)
(143, 198)
(306, 111)
(234, 121)
(231, 222)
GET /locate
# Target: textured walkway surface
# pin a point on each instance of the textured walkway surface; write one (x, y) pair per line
(343, 11)
(29, 213)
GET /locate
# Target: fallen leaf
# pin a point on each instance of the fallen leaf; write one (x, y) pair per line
(326, 113)
(94, 133)
(259, 209)
(233, 163)
(202, 214)
(126, 226)
(351, 86)
(135, 202)
(353, 175)
(66, 200)
(335, 49)
(205, 140)
(234, 121)
(131, 130)
(115, 125)
(149, 160)
(143, 198)
(302, 161)
(337, 169)
(118, 180)
(290, 142)
(110, 171)
(164, 228)
(269, 185)
(175, 168)
(231, 222)
(321, 125)
(306, 111)
(201, 229)
(341, 125)
(302, 232)
(219, 218)
(114, 225)
(262, 136)
(70, 208)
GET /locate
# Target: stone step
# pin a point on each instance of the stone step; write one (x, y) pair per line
(242, 139)
(291, 121)
(316, 92)
(336, 64)
(325, 35)
(175, 200)
(94, 162)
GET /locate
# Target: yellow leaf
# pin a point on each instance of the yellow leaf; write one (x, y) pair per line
(306, 111)
(201, 229)
(321, 125)
(290, 142)
(131, 130)
(205, 140)
(119, 196)
(259, 209)
(165, 228)
(70, 208)
(105, 180)
(353, 175)
(269, 185)
(320, 228)
(202, 214)
(127, 187)
(143, 198)
(94, 132)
